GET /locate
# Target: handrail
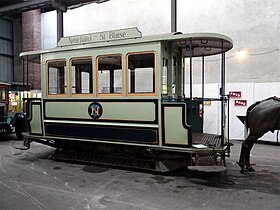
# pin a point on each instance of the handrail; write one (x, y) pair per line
(178, 99)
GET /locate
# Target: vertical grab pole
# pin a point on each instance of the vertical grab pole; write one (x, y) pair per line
(222, 93)
(203, 77)
(191, 95)
(191, 68)
(203, 87)
(228, 119)
(183, 66)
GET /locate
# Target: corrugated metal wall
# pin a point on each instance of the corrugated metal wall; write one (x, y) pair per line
(6, 50)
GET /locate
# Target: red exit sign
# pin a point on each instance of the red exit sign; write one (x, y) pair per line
(235, 94)
(240, 102)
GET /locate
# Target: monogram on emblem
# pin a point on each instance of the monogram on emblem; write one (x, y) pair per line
(95, 110)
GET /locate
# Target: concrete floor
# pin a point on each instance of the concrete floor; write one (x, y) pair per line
(29, 180)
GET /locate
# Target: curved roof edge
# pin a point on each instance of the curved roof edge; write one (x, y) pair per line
(169, 37)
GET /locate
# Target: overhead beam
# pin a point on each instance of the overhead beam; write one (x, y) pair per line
(58, 5)
(48, 4)
(23, 5)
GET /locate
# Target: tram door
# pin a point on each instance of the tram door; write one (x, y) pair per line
(178, 83)
(195, 107)
(175, 132)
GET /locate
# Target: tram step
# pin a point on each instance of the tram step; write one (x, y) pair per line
(209, 159)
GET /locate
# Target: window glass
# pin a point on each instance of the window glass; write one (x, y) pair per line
(82, 76)
(57, 77)
(110, 74)
(141, 73)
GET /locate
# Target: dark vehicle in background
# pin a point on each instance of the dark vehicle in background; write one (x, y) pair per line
(10, 123)
(5, 121)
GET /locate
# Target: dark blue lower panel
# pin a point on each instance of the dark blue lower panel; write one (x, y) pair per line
(111, 133)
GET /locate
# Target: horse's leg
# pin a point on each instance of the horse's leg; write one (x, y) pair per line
(247, 157)
(245, 153)
(242, 157)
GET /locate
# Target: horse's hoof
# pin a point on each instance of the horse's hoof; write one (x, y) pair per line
(244, 171)
(250, 169)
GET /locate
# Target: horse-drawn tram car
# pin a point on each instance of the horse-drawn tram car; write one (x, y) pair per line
(118, 98)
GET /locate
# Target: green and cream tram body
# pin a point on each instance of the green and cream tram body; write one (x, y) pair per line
(120, 95)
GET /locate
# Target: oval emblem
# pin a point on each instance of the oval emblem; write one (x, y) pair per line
(95, 110)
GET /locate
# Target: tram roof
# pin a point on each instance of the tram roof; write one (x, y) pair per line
(202, 44)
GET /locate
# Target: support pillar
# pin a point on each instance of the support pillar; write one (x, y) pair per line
(59, 24)
(60, 8)
(173, 16)
(31, 40)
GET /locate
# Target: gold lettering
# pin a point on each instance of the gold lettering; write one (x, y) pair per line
(95, 111)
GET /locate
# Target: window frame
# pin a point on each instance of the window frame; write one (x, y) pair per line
(97, 77)
(4, 88)
(47, 79)
(155, 74)
(71, 75)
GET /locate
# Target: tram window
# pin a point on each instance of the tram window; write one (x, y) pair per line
(109, 74)
(141, 73)
(57, 77)
(82, 76)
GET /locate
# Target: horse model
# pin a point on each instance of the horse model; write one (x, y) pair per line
(261, 117)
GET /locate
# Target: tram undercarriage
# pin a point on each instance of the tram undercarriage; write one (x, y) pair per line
(207, 155)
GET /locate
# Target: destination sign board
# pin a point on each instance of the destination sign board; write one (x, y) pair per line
(128, 33)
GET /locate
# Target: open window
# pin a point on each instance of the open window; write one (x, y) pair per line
(141, 73)
(82, 77)
(110, 74)
(56, 77)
